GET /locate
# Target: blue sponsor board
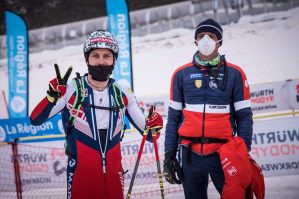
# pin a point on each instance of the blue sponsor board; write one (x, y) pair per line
(119, 26)
(20, 128)
(17, 61)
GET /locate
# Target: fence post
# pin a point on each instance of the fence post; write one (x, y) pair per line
(291, 3)
(249, 4)
(215, 9)
(239, 8)
(266, 9)
(224, 2)
(14, 146)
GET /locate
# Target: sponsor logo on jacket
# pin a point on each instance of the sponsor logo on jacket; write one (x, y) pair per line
(198, 83)
(217, 106)
(196, 75)
(213, 84)
(228, 167)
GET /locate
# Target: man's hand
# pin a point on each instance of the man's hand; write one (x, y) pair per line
(154, 123)
(57, 86)
(173, 172)
(154, 120)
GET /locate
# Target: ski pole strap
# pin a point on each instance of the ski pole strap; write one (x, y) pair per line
(204, 140)
(80, 88)
(118, 97)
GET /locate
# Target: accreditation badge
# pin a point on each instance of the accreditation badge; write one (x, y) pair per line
(198, 83)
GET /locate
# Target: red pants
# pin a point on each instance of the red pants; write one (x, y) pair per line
(86, 178)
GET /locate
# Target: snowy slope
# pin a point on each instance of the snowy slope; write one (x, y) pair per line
(265, 46)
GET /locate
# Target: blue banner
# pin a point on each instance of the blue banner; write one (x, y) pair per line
(21, 129)
(17, 61)
(119, 26)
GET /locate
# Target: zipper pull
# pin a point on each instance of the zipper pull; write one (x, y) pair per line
(104, 164)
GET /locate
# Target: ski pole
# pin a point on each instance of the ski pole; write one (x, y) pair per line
(154, 133)
(145, 132)
(137, 164)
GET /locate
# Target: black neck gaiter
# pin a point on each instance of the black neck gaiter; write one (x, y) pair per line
(100, 72)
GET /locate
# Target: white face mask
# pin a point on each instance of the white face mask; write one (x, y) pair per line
(206, 45)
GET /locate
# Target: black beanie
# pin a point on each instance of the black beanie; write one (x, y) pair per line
(209, 25)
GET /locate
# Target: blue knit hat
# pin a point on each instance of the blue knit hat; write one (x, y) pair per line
(209, 25)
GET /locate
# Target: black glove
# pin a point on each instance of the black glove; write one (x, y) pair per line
(173, 172)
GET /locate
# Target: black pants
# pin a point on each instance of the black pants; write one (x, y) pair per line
(196, 174)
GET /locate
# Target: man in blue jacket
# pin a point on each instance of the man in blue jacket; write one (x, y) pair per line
(209, 103)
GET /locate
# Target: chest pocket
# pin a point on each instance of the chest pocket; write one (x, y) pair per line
(219, 90)
(193, 88)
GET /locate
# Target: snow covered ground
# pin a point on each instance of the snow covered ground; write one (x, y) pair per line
(265, 46)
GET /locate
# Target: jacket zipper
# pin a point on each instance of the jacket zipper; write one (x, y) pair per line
(204, 107)
(102, 151)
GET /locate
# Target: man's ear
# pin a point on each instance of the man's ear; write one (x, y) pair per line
(196, 43)
(114, 59)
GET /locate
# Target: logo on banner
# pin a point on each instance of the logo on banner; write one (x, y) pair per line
(2, 134)
(118, 23)
(18, 104)
(198, 83)
(58, 169)
(17, 63)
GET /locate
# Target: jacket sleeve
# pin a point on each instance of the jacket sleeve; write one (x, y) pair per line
(242, 107)
(133, 112)
(175, 117)
(45, 110)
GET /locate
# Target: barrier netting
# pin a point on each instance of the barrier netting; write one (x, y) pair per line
(30, 171)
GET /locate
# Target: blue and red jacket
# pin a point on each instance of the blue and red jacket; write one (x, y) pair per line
(94, 169)
(208, 104)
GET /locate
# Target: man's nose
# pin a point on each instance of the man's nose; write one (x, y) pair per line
(101, 61)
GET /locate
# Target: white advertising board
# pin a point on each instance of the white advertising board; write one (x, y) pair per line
(275, 146)
(275, 96)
